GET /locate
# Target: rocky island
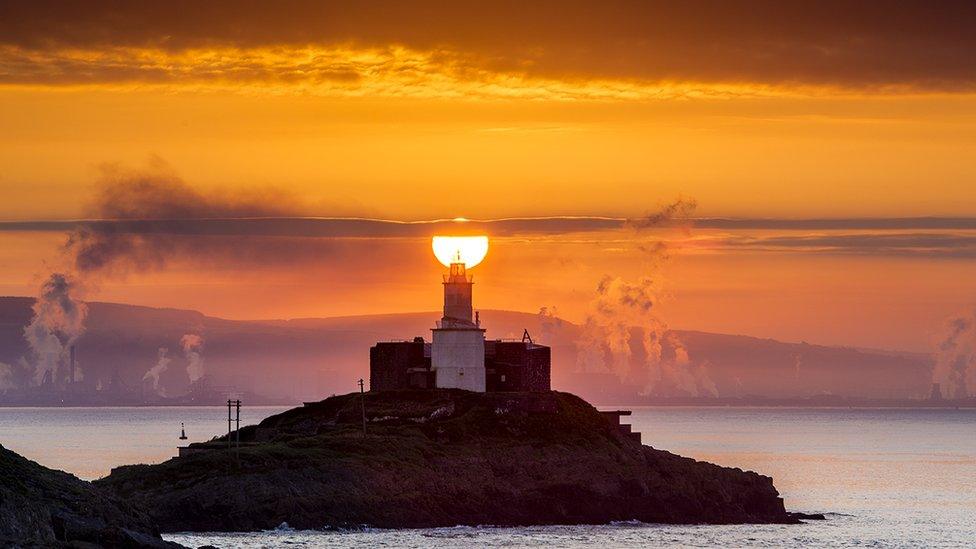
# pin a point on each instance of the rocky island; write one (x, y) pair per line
(460, 430)
(40, 507)
(440, 457)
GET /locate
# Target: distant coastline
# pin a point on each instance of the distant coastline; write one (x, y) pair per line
(825, 401)
(287, 362)
(691, 402)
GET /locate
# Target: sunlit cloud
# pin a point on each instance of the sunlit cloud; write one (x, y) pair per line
(863, 45)
(343, 71)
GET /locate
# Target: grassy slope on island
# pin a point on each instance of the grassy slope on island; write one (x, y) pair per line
(441, 458)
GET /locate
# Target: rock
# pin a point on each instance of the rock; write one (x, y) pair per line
(41, 507)
(440, 458)
(806, 516)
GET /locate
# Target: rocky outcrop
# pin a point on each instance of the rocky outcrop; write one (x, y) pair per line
(440, 458)
(40, 507)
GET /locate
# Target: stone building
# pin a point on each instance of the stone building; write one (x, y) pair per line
(458, 355)
(509, 365)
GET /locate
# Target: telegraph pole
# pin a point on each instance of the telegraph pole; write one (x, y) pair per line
(237, 434)
(233, 436)
(228, 423)
(362, 401)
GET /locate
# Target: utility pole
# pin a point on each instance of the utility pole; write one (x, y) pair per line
(228, 423)
(362, 401)
(233, 436)
(237, 434)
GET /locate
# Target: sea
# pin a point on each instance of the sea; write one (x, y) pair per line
(882, 477)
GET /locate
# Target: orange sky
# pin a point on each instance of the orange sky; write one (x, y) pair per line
(432, 110)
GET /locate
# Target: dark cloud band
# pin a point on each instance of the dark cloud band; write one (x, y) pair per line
(920, 45)
(380, 228)
(297, 237)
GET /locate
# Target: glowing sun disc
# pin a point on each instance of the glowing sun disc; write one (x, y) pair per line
(469, 250)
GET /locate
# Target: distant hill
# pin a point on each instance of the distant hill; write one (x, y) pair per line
(304, 359)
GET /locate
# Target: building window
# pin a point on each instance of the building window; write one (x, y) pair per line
(503, 378)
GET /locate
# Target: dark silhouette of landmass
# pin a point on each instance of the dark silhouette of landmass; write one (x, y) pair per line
(40, 507)
(440, 457)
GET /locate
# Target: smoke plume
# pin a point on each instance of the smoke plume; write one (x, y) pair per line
(193, 350)
(679, 210)
(58, 321)
(549, 323)
(623, 333)
(158, 204)
(162, 364)
(955, 356)
(6, 376)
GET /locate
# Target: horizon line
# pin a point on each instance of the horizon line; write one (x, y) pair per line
(352, 226)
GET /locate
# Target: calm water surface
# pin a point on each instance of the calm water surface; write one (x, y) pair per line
(888, 478)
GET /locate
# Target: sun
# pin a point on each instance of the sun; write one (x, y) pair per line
(469, 250)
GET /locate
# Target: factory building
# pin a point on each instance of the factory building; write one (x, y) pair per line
(458, 356)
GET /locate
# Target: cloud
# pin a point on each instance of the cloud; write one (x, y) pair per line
(912, 244)
(904, 46)
(840, 224)
(215, 221)
(142, 219)
(326, 70)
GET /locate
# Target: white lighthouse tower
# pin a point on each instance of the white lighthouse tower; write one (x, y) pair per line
(457, 353)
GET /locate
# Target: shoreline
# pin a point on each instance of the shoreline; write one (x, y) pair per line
(720, 403)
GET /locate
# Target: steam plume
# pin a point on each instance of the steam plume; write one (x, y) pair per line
(956, 355)
(158, 199)
(623, 334)
(58, 321)
(162, 364)
(6, 376)
(549, 322)
(193, 350)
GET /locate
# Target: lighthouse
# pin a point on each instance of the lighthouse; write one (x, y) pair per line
(457, 351)
(458, 356)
